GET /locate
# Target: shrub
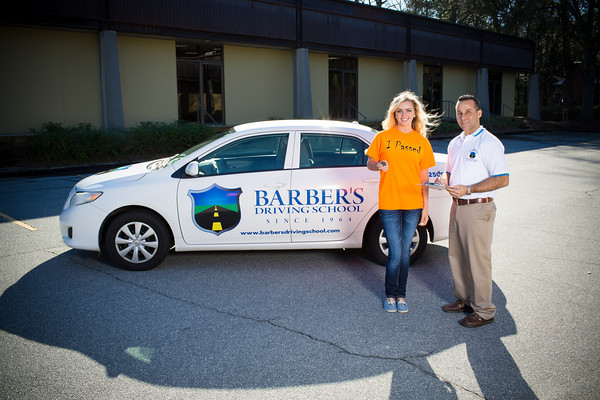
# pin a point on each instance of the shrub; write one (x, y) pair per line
(446, 127)
(56, 144)
(151, 139)
(82, 143)
(559, 114)
(521, 110)
(495, 122)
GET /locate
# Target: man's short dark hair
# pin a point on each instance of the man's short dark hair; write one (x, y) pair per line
(470, 97)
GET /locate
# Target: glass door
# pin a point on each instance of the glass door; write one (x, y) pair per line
(343, 94)
(495, 92)
(432, 87)
(200, 83)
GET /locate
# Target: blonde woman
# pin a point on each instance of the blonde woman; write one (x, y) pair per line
(402, 153)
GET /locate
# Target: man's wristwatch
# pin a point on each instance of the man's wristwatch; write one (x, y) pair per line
(468, 190)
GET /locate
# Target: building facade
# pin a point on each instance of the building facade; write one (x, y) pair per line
(116, 63)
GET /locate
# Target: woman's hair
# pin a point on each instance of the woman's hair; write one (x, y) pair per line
(422, 122)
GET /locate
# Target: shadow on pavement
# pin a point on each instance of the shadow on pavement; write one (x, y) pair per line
(204, 320)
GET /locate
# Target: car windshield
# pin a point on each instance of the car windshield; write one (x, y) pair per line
(183, 154)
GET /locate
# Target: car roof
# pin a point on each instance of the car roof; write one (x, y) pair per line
(308, 124)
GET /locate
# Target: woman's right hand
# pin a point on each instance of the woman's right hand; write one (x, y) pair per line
(383, 165)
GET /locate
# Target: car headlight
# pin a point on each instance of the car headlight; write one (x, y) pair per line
(80, 198)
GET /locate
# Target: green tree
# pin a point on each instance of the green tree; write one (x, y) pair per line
(584, 23)
(566, 32)
(391, 4)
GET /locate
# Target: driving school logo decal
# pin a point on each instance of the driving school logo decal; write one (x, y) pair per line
(216, 209)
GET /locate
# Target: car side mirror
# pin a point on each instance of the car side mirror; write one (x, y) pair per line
(192, 169)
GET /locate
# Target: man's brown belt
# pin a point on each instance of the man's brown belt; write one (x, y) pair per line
(463, 202)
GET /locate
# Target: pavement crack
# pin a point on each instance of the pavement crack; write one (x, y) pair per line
(408, 359)
(590, 193)
(571, 260)
(53, 252)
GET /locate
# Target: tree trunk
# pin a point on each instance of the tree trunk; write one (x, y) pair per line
(567, 58)
(589, 77)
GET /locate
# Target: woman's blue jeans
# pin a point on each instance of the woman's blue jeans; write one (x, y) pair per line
(399, 227)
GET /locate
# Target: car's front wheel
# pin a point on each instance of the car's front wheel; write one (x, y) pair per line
(378, 246)
(137, 241)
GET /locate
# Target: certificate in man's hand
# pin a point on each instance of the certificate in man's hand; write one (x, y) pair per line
(434, 185)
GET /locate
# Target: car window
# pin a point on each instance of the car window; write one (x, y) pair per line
(326, 150)
(260, 153)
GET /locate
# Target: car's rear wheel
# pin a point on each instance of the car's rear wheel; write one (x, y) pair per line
(137, 241)
(378, 247)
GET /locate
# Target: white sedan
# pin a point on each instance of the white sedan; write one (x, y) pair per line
(295, 184)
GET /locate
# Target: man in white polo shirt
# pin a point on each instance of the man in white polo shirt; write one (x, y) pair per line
(476, 168)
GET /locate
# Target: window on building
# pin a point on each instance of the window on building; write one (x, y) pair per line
(343, 93)
(495, 91)
(200, 83)
(432, 87)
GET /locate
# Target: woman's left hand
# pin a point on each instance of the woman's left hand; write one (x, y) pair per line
(424, 219)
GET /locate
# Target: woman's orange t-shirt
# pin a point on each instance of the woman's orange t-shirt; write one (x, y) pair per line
(407, 154)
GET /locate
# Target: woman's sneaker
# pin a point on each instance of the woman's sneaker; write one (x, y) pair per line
(390, 304)
(401, 306)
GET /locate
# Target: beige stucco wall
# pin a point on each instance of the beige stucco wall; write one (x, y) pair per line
(52, 75)
(508, 93)
(148, 71)
(48, 75)
(259, 84)
(378, 82)
(319, 84)
(458, 81)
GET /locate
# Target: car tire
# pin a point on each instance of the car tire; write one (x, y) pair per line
(137, 241)
(377, 243)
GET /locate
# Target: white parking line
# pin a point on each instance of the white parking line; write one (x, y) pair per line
(17, 222)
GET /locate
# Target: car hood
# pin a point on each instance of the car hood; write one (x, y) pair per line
(127, 173)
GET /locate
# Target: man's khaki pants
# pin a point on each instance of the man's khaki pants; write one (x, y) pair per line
(470, 255)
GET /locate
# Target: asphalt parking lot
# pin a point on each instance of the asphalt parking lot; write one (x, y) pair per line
(309, 324)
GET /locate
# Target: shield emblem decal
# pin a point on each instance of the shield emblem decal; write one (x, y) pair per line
(216, 209)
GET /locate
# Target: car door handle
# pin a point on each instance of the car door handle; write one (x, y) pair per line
(275, 185)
